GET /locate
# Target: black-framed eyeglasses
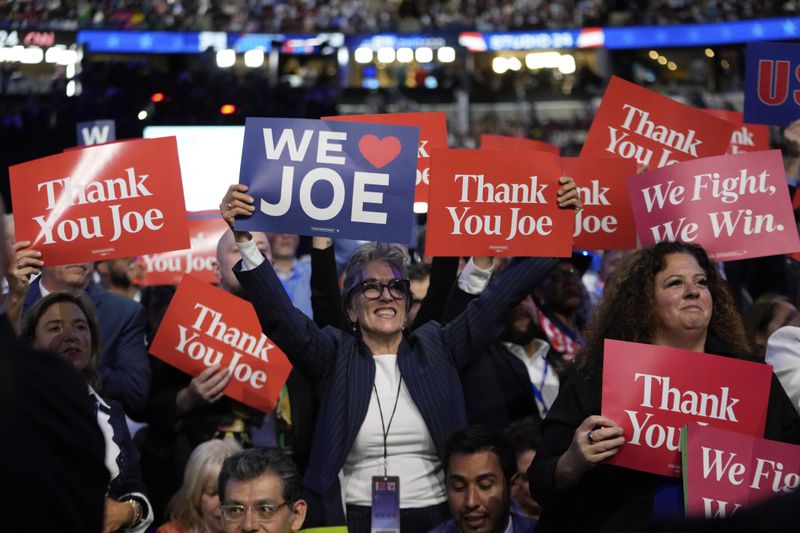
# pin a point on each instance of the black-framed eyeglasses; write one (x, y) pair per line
(373, 289)
(235, 512)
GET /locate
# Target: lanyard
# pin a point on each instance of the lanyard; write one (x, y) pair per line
(537, 391)
(384, 427)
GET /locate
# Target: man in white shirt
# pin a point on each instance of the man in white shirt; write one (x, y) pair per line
(525, 341)
(513, 373)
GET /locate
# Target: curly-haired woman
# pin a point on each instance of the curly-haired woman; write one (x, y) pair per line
(670, 295)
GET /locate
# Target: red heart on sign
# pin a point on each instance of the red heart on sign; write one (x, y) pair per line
(379, 152)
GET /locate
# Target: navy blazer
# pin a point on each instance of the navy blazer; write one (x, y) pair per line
(343, 370)
(123, 366)
(497, 387)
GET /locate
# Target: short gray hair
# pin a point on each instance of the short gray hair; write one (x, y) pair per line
(252, 463)
(392, 254)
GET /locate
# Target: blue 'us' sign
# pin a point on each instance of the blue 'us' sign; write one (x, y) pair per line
(772, 83)
(335, 179)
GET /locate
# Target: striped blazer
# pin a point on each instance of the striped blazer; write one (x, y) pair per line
(341, 366)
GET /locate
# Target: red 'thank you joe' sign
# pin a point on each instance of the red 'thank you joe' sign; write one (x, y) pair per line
(206, 326)
(736, 206)
(205, 230)
(651, 392)
(432, 136)
(656, 131)
(606, 220)
(724, 471)
(484, 202)
(101, 202)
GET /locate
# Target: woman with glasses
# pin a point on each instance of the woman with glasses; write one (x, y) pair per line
(387, 401)
(65, 323)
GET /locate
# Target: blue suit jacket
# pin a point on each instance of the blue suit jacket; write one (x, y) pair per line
(124, 368)
(341, 366)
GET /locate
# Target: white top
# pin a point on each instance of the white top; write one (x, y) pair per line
(783, 353)
(411, 452)
(104, 421)
(546, 382)
(251, 255)
(473, 279)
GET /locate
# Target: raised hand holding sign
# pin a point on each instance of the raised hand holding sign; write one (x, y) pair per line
(652, 391)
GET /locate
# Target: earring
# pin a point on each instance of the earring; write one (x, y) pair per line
(354, 326)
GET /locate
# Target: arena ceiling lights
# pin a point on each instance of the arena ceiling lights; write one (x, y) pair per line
(613, 38)
(635, 37)
(402, 48)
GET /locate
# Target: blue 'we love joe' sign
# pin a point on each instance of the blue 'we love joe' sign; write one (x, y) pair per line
(334, 179)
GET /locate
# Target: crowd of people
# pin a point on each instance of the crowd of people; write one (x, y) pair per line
(369, 16)
(474, 383)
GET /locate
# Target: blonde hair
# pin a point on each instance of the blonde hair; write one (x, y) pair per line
(202, 468)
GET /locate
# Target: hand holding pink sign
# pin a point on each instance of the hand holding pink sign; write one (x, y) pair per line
(653, 391)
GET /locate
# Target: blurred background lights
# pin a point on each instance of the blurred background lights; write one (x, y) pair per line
(226, 58)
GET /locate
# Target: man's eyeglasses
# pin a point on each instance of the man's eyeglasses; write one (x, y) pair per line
(263, 511)
(372, 289)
